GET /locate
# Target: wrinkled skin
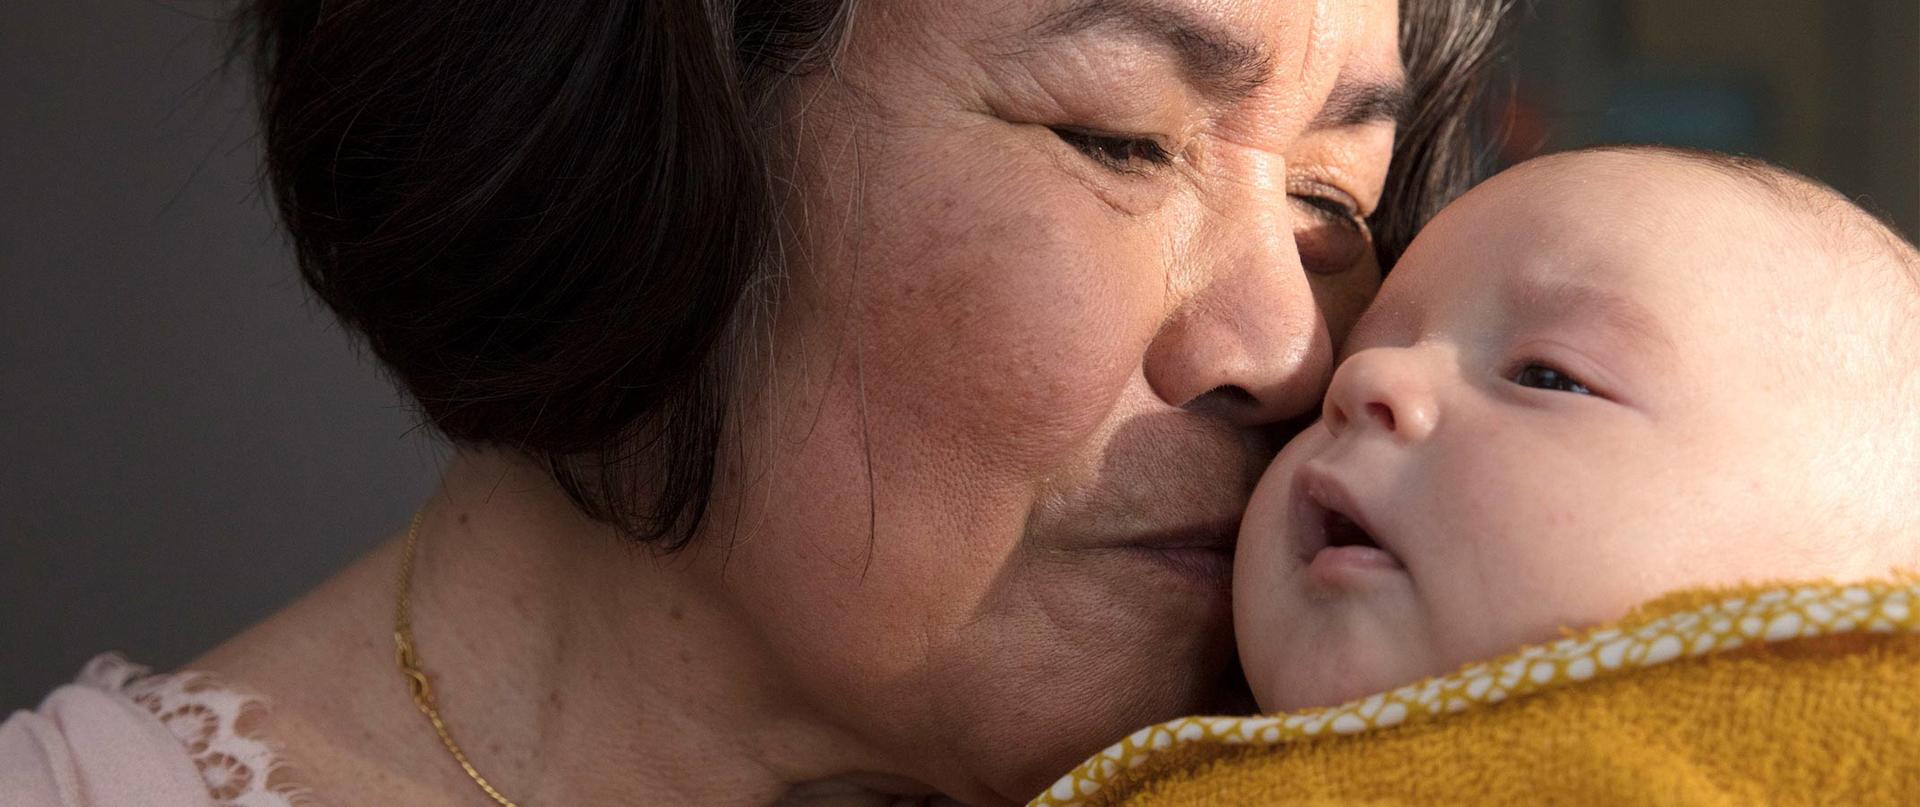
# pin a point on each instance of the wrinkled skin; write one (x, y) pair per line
(980, 505)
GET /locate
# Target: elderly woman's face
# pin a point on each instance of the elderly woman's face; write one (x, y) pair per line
(1060, 271)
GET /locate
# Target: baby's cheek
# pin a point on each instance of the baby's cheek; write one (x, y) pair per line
(1259, 582)
(1264, 584)
(1518, 551)
(1260, 609)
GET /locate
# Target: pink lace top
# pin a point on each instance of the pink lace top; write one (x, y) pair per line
(120, 734)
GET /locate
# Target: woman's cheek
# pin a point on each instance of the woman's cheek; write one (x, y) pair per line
(1342, 298)
(1014, 322)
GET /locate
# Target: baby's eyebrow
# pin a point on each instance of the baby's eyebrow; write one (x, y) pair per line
(1558, 300)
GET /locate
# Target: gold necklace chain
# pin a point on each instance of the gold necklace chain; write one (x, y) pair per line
(417, 682)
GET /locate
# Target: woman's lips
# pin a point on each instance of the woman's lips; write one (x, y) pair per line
(1162, 498)
(1202, 554)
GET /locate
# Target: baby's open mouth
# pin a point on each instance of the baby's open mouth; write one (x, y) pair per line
(1343, 531)
(1337, 533)
(1350, 544)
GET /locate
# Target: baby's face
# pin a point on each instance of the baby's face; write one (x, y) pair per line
(1585, 385)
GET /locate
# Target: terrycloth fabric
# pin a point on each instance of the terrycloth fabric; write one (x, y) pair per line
(1778, 695)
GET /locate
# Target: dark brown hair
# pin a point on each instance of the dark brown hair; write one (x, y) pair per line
(542, 216)
(1448, 47)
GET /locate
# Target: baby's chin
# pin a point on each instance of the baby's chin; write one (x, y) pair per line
(1284, 694)
(1329, 670)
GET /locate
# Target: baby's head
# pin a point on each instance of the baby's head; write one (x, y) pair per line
(1596, 378)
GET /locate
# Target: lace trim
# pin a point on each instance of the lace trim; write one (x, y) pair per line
(220, 728)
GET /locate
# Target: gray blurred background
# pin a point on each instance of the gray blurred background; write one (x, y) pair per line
(1830, 88)
(188, 442)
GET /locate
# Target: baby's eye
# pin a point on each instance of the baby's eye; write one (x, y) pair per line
(1541, 376)
(1118, 153)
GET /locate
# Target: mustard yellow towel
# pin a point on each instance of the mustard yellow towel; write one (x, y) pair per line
(1803, 694)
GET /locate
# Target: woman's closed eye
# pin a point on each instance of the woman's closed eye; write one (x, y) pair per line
(1121, 154)
(1332, 235)
(1547, 377)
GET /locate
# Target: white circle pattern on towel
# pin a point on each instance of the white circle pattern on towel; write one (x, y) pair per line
(1775, 614)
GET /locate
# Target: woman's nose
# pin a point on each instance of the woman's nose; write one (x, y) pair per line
(1247, 340)
(1382, 388)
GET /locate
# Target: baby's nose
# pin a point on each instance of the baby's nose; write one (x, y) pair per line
(1382, 388)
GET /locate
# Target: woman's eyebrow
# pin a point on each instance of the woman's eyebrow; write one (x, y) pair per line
(1215, 59)
(1360, 102)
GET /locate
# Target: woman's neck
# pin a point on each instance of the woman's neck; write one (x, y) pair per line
(571, 666)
